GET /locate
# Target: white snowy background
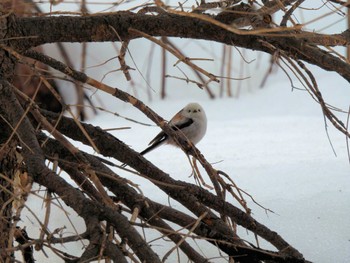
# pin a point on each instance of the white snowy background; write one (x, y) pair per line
(271, 141)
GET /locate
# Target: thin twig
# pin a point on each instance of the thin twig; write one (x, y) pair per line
(290, 12)
(183, 59)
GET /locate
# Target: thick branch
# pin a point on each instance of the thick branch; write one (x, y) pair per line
(33, 31)
(187, 194)
(151, 211)
(35, 161)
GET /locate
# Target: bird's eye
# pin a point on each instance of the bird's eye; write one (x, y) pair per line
(199, 110)
(189, 110)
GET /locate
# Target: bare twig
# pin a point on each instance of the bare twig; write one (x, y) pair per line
(121, 57)
(183, 59)
(290, 12)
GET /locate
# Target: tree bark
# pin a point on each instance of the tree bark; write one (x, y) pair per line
(8, 159)
(115, 27)
(93, 204)
(8, 166)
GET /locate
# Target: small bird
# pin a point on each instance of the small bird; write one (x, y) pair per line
(190, 121)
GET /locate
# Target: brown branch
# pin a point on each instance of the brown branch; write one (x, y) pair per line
(121, 57)
(204, 83)
(41, 174)
(179, 138)
(22, 238)
(126, 155)
(176, 53)
(188, 194)
(343, 3)
(297, 43)
(337, 123)
(163, 72)
(151, 211)
(78, 88)
(290, 12)
(222, 4)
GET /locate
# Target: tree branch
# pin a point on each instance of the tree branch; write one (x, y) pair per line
(35, 162)
(32, 31)
(185, 193)
(152, 212)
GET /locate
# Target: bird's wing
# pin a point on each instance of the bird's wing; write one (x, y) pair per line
(162, 136)
(180, 125)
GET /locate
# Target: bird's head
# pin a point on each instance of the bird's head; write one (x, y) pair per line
(193, 110)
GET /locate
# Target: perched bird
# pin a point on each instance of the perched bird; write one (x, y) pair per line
(190, 121)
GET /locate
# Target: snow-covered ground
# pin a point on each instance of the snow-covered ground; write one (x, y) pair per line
(271, 141)
(273, 144)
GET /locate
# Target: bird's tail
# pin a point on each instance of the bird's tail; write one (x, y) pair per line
(152, 147)
(149, 148)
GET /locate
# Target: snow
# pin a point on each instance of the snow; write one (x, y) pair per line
(273, 144)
